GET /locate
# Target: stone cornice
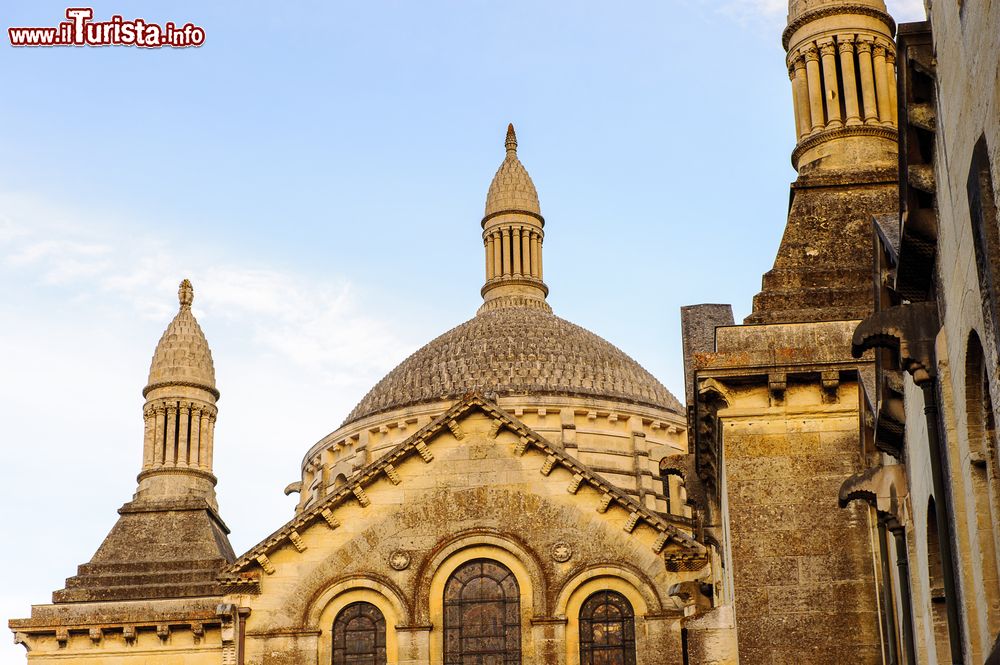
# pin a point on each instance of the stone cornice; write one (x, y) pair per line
(257, 557)
(512, 212)
(814, 140)
(824, 12)
(182, 384)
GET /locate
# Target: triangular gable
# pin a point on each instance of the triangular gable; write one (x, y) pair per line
(239, 576)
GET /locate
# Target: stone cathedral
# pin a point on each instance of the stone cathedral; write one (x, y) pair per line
(519, 490)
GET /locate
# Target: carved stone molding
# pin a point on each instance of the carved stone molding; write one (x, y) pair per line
(835, 10)
(814, 140)
(882, 487)
(909, 330)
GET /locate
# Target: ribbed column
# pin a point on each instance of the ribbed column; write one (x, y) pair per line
(828, 52)
(489, 257)
(515, 239)
(148, 434)
(195, 441)
(534, 254)
(505, 238)
(159, 434)
(497, 258)
(881, 83)
(845, 43)
(526, 251)
(815, 91)
(183, 425)
(210, 440)
(890, 68)
(170, 444)
(205, 445)
(867, 79)
(800, 95)
(541, 270)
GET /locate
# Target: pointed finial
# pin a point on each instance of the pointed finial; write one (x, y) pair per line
(511, 142)
(185, 293)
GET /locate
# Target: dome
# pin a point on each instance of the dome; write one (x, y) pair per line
(182, 356)
(512, 189)
(516, 351)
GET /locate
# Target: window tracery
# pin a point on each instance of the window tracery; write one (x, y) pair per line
(359, 635)
(482, 615)
(607, 630)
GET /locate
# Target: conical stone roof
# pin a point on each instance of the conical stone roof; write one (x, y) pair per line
(512, 188)
(182, 356)
(516, 351)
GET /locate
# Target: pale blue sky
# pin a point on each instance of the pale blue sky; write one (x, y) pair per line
(318, 169)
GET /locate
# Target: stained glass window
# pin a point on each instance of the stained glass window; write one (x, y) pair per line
(482, 615)
(607, 630)
(359, 636)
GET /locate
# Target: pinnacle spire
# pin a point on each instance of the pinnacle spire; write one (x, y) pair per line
(185, 293)
(511, 141)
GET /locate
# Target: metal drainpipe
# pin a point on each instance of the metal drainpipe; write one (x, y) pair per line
(887, 601)
(943, 509)
(242, 614)
(906, 609)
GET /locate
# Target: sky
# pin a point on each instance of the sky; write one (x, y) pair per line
(318, 170)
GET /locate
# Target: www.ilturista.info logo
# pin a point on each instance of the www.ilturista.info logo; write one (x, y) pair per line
(80, 30)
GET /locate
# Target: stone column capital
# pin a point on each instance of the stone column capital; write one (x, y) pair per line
(878, 50)
(865, 44)
(827, 47)
(811, 53)
(845, 43)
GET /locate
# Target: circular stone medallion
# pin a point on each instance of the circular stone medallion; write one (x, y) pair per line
(399, 560)
(561, 552)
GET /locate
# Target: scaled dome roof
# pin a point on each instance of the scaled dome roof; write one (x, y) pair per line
(512, 188)
(515, 345)
(516, 351)
(182, 355)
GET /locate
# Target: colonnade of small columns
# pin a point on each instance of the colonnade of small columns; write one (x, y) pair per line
(178, 434)
(514, 251)
(843, 81)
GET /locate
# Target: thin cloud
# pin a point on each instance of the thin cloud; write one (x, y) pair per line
(311, 323)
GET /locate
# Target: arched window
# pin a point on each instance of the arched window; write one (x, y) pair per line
(607, 630)
(482, 615)
(984, 473)
(359, 636)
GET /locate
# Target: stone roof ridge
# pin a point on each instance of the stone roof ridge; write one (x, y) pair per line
(235, 573)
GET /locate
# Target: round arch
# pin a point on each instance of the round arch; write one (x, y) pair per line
(469, 548)
(327, 604)
(581, 586)
(527, 560)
